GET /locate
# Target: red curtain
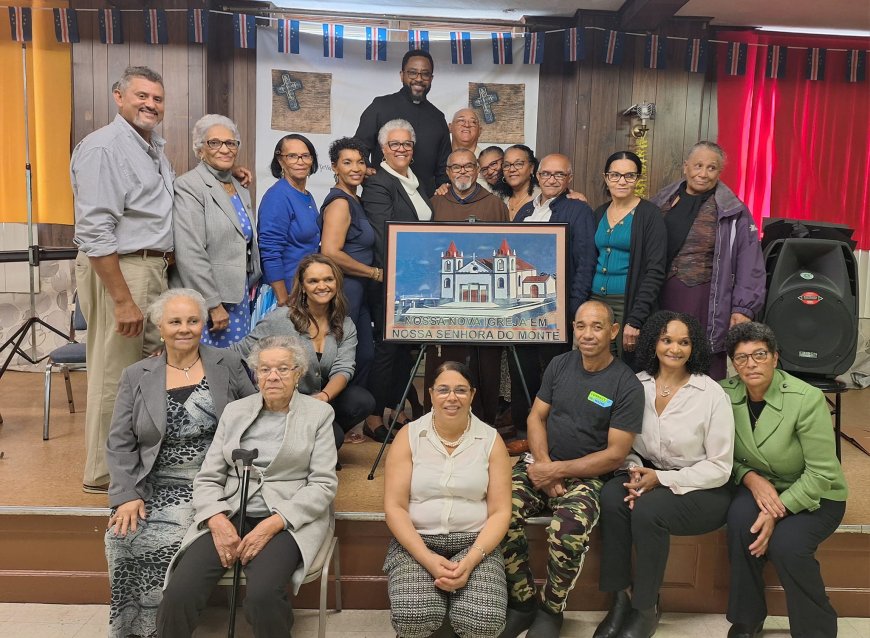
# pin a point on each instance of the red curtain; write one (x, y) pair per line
(797, 148)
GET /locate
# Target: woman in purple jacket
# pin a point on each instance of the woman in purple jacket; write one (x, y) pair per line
(715, 271)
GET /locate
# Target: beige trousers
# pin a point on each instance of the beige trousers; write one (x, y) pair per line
(108, 353)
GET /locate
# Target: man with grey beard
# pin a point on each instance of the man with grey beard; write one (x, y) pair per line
(465, 199)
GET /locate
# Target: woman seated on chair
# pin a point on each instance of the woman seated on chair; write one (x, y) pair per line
(447, 500)
(791, 494)
(287, 518)
(677, 482)
(165, 417)
(316, 313)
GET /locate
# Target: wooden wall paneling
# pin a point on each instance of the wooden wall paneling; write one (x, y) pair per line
(644, 90)
(551, 93)
(176, 80)
(83, 79)
(196, 83)
(695, 100)
(582, 102)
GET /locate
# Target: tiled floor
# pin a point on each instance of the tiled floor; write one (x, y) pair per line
(89, 621)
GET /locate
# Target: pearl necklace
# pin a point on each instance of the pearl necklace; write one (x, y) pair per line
(451, 444)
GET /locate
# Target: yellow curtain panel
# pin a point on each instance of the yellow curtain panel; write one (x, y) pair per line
(49, 96)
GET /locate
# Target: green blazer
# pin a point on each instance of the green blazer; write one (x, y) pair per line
(792, 445)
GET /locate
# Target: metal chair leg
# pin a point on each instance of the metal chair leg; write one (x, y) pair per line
(69, 394)
(337, 574)
(46, 404)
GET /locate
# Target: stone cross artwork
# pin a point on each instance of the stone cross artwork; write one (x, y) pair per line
(483, 101)
(288, 88)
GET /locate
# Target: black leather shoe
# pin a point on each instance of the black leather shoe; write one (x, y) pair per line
(517, 621)
(615, 618)
(546, 625)
(641, 623)
(739, 630)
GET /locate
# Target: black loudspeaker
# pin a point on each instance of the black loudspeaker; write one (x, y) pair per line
(812, 304)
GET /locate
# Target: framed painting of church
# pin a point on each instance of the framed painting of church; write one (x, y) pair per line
(476, 283)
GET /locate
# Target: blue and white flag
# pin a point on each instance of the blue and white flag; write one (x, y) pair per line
(288, 36)
(20, 21)
(856, 66)
(333, 40)
(736, 58)
(244, 31)
(574, 44)
(111, 31)
(197, 26)
(816, 64)
(502, 48)
(776, 58)
(418, 40)
(66, 25)
(696, 55)
(460, 47)
(376, 44)
(613, 47)
(533, 51)
(156, 30)
(654, 52)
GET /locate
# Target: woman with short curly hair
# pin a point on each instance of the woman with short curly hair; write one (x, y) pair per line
(677, 473)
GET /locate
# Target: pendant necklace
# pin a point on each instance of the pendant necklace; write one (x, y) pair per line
(186, 370)
(451, 444)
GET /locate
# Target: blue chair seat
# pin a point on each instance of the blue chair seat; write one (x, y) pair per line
(71, 354)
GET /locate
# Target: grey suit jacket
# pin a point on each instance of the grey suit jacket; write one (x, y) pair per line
(139, 420)
(211, 255)
(300, 483)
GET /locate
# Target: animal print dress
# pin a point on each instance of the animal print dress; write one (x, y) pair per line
(138, 563)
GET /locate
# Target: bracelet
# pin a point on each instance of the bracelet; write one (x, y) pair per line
(328, 398)
(478, 548)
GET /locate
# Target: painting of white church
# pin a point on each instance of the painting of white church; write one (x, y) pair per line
(504, 279)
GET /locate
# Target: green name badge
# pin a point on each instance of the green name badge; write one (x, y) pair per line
(599, 399)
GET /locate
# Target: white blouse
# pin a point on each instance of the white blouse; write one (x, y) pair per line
(448, 491)
(692, 440)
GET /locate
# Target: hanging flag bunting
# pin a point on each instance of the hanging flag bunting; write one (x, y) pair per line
(288, 36)
(502, 48)
(856, 65)
(460, 47)
(533, 51)
(110, 26)
(20, 21)
(156, 31)
(613, 47)
(66, 25)
(376, 44)
(333, 40)
(816, 63)
(654, 53)
(696, 55)
(197, 26)
(418, 40)
(736, 58)
(244, 31)
(574, 44)
(776, 61)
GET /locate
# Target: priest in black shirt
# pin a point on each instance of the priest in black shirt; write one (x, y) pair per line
(410, 103)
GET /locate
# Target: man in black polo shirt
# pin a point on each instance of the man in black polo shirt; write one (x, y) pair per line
(410, 103)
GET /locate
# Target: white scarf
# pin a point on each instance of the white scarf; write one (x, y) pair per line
(410, 184)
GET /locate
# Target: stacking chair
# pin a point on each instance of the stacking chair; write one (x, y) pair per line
(68, 357)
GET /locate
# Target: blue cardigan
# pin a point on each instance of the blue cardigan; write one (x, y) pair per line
(287, 230)
(582, 254)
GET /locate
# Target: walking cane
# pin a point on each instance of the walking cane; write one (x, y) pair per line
(247, 458)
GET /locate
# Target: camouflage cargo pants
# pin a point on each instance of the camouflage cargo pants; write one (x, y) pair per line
(574, 515)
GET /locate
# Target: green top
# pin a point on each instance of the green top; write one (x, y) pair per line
(792, 445)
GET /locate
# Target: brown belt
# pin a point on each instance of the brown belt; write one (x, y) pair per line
(168, 256)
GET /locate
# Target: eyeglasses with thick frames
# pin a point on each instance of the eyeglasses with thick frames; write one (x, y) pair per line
(292, 158)
(443, 391)
(413, 74)
(613, 176)
(759, 356)
(407, 145)
(558, 175)
(514, 166)
(462, 168)
(214, 144)
(492, 166)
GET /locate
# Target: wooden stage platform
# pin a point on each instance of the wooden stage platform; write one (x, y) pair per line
(51, 533)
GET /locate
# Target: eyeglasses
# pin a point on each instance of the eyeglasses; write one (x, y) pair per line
(283, 371)
(292, 158)
(545, 175)
(443, 391)
(214, 144)
(407, 145)
(492, 166)
(413, 74)
(613, 176)
(462, 168)
(759, 356)
(515, 166)
(468, 123)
